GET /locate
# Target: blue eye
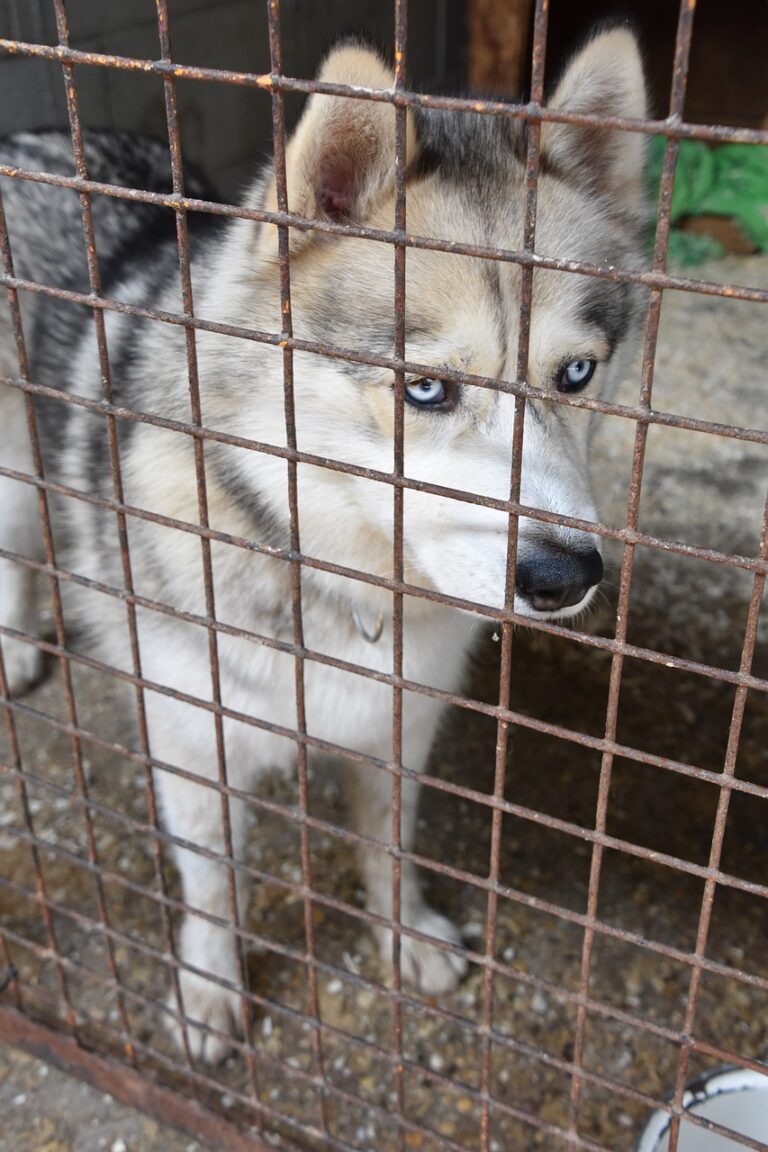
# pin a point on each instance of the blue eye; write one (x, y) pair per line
(576, 375)
(426, 393)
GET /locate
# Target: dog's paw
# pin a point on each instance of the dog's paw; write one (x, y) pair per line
(212, 1015)
(23, 665)
(430, 968)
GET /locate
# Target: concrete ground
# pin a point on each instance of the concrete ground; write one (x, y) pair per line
(698, 488)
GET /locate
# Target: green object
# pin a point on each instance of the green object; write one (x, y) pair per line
(729, 180)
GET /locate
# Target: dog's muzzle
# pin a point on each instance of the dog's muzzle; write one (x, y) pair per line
(551, 578)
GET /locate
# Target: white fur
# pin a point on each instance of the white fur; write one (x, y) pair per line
(19, 529)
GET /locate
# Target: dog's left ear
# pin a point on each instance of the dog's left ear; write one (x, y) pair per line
(341, 158)
(604, 78)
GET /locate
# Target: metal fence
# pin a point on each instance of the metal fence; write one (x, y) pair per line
(180, 1090)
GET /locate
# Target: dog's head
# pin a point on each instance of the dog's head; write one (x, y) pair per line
(466, 183)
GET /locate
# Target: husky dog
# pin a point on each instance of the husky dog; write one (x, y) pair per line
(465, 182)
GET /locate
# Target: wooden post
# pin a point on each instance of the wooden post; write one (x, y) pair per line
(498, 44)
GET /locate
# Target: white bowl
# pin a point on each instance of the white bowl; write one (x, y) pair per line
(737, 1098)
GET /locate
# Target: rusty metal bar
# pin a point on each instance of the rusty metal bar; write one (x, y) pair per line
(270, 82)
(286, 317)
(677, 97)
(532, 160)
(99, 321)
(174, 202)
(182, 239)
(398, 470)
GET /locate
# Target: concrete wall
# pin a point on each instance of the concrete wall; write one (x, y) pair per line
(225, 128)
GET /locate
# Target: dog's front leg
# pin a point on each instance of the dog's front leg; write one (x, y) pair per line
(211, 1003)
(19, 532)
(431, 968)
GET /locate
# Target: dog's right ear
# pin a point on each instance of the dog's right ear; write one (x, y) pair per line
(341, 158)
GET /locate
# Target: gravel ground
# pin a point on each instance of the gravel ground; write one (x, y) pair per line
(43, 1110)
(701, 489)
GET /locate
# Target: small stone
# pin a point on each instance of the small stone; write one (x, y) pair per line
(334, 987)
(20, 1099)
(436, 1062)
(119, 1146)
(539, 1003)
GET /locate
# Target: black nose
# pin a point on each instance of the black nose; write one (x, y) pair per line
(551, 578)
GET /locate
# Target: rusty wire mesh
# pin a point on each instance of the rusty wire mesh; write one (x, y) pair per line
(88, 1045)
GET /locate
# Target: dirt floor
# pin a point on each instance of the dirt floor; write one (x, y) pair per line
(701, 489)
